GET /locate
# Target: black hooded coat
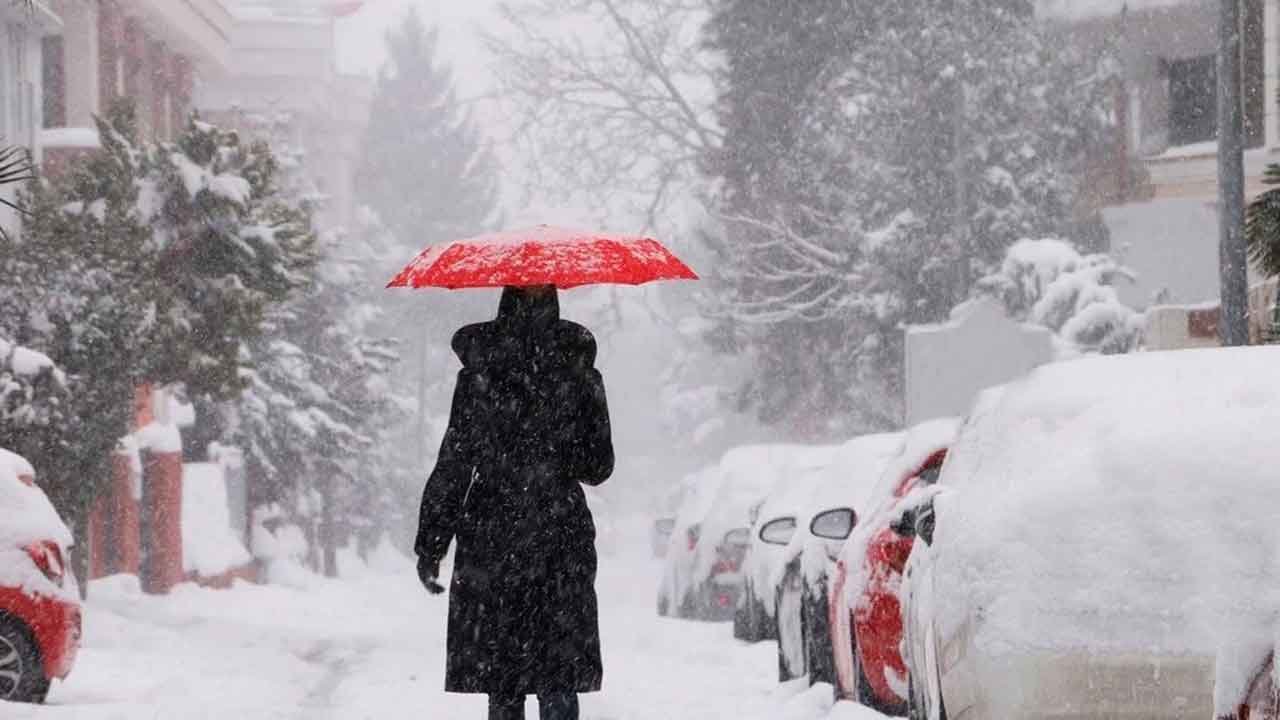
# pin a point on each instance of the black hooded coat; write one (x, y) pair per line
(529, 425)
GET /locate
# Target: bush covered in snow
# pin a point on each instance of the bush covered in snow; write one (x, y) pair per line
(1049, 282)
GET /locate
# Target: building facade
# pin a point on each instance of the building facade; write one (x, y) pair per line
(23, 32)
(1164, 217)
(283, 77)
(152, 51)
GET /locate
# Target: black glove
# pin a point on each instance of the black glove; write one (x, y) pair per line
(427, 573)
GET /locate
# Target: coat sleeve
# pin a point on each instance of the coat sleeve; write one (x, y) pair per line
(590, 458)
(442, 499)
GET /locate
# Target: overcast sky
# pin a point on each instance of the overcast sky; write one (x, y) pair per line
(360, 37)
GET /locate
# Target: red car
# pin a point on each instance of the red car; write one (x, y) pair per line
(39, 600)
(865, 607)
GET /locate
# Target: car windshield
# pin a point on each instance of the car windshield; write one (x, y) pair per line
(645, 359)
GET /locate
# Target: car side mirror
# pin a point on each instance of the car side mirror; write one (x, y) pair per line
(834, 524)
(925, 522)
(779, 531)
(740, 537)
(916, 522)
(905, 524)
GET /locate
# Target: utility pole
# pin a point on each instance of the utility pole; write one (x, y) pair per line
(1233, 325)
(960, 168)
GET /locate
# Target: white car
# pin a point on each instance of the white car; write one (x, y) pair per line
(801, 579)
(773, 524)
(675, 593)
(703, 577)
(1102, 542)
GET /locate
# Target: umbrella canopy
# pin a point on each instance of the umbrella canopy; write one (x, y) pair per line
(544, 255)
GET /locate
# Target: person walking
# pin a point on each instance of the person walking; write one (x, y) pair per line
(528, 427)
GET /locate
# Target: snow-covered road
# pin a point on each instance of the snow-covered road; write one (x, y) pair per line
(373, 647)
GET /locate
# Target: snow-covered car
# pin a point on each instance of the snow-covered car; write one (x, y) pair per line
(39, 599)
(802, 582)
(1103, 543)
(703, 569)
(773, 524)
(865, 613)
(676, 596)
(660, 535)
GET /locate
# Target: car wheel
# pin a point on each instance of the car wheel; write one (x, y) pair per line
(821, 655)
(21, 669)
(746, 619)
(867, 694)
(790, 638)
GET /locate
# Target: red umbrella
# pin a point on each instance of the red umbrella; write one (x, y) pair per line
(543, 256)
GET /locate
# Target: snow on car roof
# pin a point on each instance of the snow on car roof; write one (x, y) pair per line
(852, 477)
(918, 444)
(752, 472)
(26, 515)
(700, 492)
(792, 493)
(1118, 503)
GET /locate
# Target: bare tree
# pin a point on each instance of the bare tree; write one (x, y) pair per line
(613, 98)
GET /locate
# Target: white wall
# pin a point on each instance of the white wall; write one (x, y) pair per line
(948, 365)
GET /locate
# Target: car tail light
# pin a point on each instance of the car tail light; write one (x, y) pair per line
(47, 556)
(724, 565)
(693, 533)
(729, 559)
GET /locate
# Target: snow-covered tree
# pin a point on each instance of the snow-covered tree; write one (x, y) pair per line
(84, 290)
(878, 160)
(425, 170)
(145, 263)
(428, 176)
(616, 120)
(230, 244)
(314, 420)
(1049, 283)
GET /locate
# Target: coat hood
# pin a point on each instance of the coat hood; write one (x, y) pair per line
(528, 329)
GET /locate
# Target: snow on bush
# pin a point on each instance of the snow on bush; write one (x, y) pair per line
(209, 545)
(282, 548)
(1117, 505)
(1048, 282)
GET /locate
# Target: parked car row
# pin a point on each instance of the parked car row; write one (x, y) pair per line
(39, 598)
(1095, 539)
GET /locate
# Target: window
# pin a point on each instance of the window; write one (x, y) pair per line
(1193, 113)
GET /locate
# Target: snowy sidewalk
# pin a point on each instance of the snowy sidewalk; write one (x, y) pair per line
(374, 648)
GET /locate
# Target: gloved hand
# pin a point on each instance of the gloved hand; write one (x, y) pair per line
(427, 573)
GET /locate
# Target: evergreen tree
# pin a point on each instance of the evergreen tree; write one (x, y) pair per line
(312, 422)
(425, 171)
(428, 176)
(84, 291)
(144, 263)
